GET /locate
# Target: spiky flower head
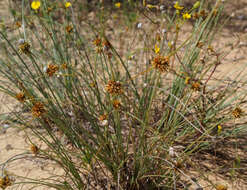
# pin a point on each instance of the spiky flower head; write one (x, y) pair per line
(161, 63)
(237, 112)
(51, 70)
(20, 97)
(24, 47)
(195, 86)
(116, 104)
(38, 109)
(114, 87)
(34, 149)
(5, 182)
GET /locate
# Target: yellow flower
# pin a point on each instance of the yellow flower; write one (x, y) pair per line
(219, 129)
(177, 6)
(67, 4)
(156, 49)
(118, 5)
(186, 15)
(35, 5)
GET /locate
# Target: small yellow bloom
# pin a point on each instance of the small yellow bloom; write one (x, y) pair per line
(177, 6)
(35, 5)
(67, 4)
(219, 129)
(186, 16)
(156, 49)
(118, 5)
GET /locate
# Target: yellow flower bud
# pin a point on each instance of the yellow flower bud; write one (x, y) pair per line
(67, 4)
(156, 49)
(196, 5)
(219, 129)
(118, 5)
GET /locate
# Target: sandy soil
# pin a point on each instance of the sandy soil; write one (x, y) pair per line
(14, 141)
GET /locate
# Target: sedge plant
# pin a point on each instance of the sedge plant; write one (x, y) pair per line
(123, 120)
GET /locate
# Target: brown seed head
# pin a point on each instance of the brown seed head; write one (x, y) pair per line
(195, 86)
(34, 149)
(24, 48)
(49, 9)
(51, 69)
(114, 87)
(64, 66)
(102, 117)
(20, 97)
(106, 44)
(161, 63)
(203, 13)
(69, 29)
(199, 44)
(195, 15)
(158, 37)
(97, 42)
(237, 112)
(38, 109)
(116, 104)
(221, 187)
(17, 24)
(5, 182)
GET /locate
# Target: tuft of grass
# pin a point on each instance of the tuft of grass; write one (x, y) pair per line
(129, 117)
